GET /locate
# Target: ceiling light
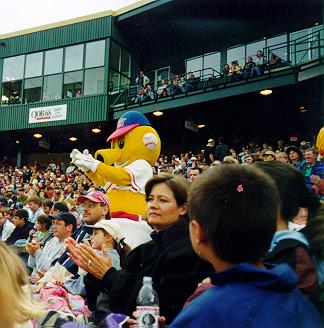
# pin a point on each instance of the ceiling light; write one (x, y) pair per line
(317, 23)
(200, 126)
(17, 141)
(266, 92)
(96, 130)
(73, 139)
(37, 135)
(157, 113)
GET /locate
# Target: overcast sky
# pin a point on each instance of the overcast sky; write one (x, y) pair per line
(18, 15)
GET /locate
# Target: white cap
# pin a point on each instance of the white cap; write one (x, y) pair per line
(110, 227)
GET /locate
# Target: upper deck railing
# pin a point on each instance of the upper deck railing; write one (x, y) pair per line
(291, 55)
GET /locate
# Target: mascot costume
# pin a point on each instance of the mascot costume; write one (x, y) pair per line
(320, 142)
(124, 169)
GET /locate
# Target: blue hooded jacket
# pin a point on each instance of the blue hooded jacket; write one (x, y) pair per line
(249, 296)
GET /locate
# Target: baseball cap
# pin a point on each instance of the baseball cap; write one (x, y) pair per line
(111, 227)
(94, 196)
(127, 122)
(23, 214)
(270, 152)
(67, 217)
(193, 158)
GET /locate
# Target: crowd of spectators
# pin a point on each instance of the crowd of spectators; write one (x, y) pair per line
(46, 210)
(189, 82)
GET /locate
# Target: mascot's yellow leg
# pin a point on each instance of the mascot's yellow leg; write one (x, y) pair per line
(127, 201)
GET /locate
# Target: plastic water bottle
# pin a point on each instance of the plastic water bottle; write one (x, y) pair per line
(148, 310)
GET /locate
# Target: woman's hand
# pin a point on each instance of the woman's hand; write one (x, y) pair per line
(86, 258)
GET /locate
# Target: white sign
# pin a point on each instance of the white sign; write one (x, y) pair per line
(47, 114)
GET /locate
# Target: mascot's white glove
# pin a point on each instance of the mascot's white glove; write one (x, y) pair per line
(84, 161)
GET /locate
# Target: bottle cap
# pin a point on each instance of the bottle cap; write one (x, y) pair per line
(147, 279)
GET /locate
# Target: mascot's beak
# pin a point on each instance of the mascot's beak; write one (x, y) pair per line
(108, 156)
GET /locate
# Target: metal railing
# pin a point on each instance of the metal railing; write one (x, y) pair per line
(291, 55)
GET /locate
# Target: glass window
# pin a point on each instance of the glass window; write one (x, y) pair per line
(95, 54)
(237, 53)
(53, 61)
(194, 65)
(115, 56)
(34, 65)
(278, 46)
(13, 68)
(94, 81)
(125, 64)
(124, 81)
(299, 50)
(52, 87)
(11, 92)
(73, 58)
(72, 84)
(114, 80)
(33, 90)
(211, 61)
(252, 48)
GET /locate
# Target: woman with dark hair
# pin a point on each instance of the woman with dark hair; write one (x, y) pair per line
(168, 258)
(287, 246)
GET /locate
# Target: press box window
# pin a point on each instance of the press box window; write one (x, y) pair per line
(52, 87)
(72, 84)
(33, 90)
(13, 68)
(73, 58)
(34, 64)
(11, 92)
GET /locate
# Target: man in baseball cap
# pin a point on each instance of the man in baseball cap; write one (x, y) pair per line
(23, 226)
(68, 218)
(95, 207)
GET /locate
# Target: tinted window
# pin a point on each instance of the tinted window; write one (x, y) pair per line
(73, 58)
(53, 61)
(95, 54)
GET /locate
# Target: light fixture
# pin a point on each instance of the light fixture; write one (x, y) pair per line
(17, 142)
(200, 126)
(266, 92)
(96, 130)
(73, 139)
(264, 38)
(158, 113)
(37, 135)
(317, 23)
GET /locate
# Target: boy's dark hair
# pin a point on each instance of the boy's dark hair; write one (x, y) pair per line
(292, 188)
(44, 219)
(177, 184)
(236, 207)
(48, 203)
(61, 207)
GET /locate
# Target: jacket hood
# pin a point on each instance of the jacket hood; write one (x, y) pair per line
(278, 278)
(287, 234)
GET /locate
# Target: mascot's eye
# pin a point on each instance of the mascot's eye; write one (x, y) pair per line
(121, 143)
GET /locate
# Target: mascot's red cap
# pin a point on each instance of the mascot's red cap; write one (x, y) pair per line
(127, 122)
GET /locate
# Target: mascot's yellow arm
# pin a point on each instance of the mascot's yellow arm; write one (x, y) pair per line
(106, 173)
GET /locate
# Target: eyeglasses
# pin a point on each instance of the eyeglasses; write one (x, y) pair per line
(89, 205)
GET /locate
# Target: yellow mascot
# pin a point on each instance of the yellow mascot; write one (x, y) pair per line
(320, 141)
(124, 169)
